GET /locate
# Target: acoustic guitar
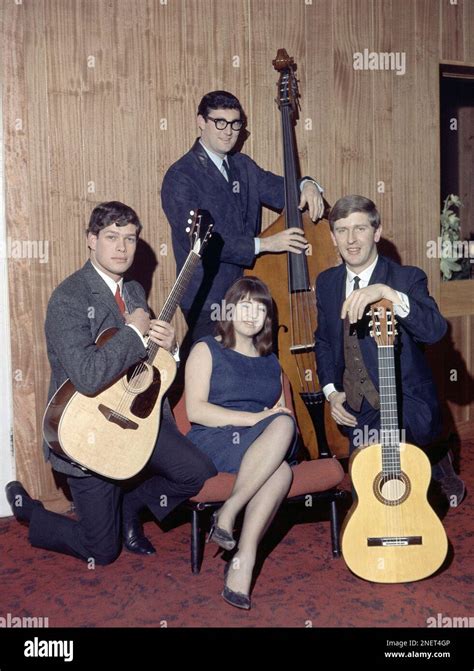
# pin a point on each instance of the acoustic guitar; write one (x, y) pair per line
(391, 533)
(114, 432)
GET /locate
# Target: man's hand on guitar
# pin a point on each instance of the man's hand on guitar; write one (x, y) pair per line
(162, 334)
(140, 319)
(355, 305)
(338, 412)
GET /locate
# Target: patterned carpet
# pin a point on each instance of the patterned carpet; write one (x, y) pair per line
(300, 584)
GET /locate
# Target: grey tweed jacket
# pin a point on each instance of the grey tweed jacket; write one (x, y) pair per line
(80, 308)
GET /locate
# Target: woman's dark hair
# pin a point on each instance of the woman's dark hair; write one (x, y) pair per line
(349, 204)
(254, 289)
(219, 100)
(113, 212)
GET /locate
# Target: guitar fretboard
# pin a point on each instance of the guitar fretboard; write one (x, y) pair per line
(176, 294)
(390, 434)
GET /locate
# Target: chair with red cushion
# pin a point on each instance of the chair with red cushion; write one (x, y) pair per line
(317, 479)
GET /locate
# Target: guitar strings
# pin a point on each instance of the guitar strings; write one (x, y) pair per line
(130, 393)
(391, 440)
(300, 309)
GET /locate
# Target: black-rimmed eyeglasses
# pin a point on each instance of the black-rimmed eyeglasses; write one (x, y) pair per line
(221, 124)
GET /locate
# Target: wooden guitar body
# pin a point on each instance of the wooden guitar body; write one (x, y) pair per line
(391, 533)
(114, 432)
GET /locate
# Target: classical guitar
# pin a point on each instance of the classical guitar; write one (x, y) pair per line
(391, 533)
(114, 432)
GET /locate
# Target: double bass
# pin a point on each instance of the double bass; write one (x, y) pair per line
(291, 278)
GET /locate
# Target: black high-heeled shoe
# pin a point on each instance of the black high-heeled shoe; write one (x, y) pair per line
(220, 536)
(237, 599)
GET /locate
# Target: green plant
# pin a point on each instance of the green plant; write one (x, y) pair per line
(450, 237)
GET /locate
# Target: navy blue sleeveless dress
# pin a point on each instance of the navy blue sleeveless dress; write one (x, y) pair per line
(238, 382)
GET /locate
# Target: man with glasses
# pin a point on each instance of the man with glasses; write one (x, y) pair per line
(232, 188)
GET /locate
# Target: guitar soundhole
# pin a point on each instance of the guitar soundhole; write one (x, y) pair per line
(139, 378)
(392, 489)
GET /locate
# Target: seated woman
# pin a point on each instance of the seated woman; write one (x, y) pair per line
(234, 401)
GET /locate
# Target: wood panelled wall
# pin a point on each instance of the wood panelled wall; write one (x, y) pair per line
(99, 98)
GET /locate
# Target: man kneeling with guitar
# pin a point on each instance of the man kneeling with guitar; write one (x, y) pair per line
(94, 299)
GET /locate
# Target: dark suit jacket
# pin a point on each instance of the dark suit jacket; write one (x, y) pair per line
(194, 182)
(79, 309)
(419, 409)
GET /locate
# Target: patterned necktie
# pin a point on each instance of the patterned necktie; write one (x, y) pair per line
(119, 300)
(226, 170)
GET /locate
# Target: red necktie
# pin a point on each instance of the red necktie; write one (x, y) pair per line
(119, 300)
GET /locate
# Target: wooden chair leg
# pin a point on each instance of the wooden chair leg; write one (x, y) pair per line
(336, 548)
(197, 544)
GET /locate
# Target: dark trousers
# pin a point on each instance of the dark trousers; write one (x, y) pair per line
(176, 471)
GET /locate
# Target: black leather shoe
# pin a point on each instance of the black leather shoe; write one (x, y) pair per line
(20, 501)
(134, 540)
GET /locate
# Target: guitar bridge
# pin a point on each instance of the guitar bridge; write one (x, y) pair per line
(116, 418)
(394, 541)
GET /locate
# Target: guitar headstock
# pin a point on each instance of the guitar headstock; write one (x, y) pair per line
(199, 229)
(287, 87)
(383, 323)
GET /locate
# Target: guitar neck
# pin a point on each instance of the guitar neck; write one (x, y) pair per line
(390, 436)
(175, 296)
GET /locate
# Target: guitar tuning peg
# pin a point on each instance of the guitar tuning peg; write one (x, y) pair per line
(371, 323)
(190, 221)
(192, 213)
(371, 333)
(187, 229)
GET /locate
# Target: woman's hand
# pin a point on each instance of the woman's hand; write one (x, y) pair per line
(268, 412)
